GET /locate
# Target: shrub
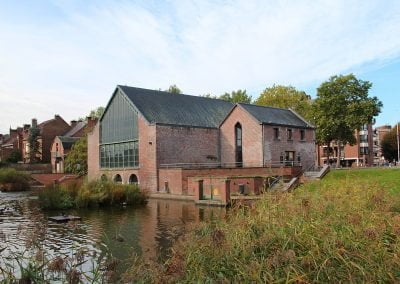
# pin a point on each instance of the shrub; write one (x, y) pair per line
(91, 194)
(13, 180)
(56, 197)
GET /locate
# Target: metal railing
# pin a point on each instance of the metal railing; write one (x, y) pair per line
(269, 164)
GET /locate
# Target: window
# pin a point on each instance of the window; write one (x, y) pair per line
(289, 134)
(289, 156)
(364, 138)
(117, 178)
(364, 150)
(276, 133)
(119, 155)
(133, 179)
(302, 134)
(238, 144)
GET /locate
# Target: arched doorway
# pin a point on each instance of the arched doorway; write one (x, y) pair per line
(238, 145)
(133, 179)
(117, 178)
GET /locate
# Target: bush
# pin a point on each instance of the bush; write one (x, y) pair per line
(13, 180)
(91, 194)
(14, 157)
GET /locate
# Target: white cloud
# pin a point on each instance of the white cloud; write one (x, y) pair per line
(72, 65)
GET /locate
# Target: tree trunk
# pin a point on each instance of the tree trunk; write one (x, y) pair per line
(338, 155)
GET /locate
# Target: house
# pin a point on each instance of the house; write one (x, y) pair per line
(180, 144)
(358, 155)
(11, 142)
(62, 144)
(379, 133)
(48, 130)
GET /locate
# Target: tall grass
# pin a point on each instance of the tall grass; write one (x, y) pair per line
(13, 180)
(90, 194)
(345, 228)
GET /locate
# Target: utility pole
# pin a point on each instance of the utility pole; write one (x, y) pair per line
(398, 144)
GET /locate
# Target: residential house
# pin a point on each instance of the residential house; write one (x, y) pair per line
(48, 130)
(62, 145)
(379, 133)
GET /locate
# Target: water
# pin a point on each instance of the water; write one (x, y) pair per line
(149, 230)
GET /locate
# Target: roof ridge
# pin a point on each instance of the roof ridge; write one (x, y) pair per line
(174, 94)
(281, 108)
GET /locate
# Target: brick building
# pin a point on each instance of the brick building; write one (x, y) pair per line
(62, 145)
(379, 133)
(358, 155)
(168, 142)
(48, 130)
(11, 142)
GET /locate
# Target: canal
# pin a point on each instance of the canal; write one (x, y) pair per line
(148, 231)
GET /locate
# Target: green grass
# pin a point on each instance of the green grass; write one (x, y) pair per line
(345, 228)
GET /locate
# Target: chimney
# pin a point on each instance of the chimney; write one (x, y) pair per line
(34, 122)
(73, 123)
(57, 116)
(91, 122)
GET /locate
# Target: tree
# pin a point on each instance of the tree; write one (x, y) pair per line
(173, 89)
(97, 113)
(34, 144)
(14, 157)
(208, 95)
(389, 145)
(239, 96)
(286, 97)
(76, 160)
(342, 106)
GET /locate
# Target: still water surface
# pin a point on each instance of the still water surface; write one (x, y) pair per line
(148, 231)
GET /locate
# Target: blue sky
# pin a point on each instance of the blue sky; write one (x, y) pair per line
(66, 57)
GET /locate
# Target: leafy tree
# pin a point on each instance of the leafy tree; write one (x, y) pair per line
(286, 97)
(239, 96)
(34, 144)
(76, 160)
(173, 89)
(97, 113)
(14, 157)
(208, 95)
(389, 145)
(342, 106)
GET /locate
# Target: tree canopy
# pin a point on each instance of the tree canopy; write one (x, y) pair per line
(34, 144)
(389, 145)
(76, 160)
(97, 113)
(239, 96)
(286, 97)
(342, 106)
(174, 89)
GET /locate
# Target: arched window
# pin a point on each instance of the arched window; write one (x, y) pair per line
(133, 179)
(117, 178)
(103, 177)
(238, 145)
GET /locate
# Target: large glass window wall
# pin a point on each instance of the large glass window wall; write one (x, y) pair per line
(119, 155)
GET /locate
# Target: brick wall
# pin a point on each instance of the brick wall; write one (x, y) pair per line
(93, 153)
(48, 132)
(186, 145)
(273, 148)
(251, 138)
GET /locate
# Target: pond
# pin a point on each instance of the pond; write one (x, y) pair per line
(148, 231)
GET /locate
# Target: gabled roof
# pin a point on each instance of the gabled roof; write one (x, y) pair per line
(67, 142)
(176, 109)
(79, 125)
(275, 116)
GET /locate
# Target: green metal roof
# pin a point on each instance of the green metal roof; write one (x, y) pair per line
(177, 109)
(276, 116)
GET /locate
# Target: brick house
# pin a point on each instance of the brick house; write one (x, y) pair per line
(358, 155)
(168, 142)
(62, 144)
(11, 142)
(49, 129)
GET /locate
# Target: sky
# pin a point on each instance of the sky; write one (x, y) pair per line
(67, 56)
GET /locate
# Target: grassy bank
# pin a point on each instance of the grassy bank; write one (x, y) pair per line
(90, 194)
(345, 228)
(13, 180)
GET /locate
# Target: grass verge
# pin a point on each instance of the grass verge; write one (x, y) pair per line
(345, 228)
